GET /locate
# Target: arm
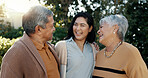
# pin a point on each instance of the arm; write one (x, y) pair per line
(6, 71)
(96, 46)
(61, 50)
(136, 67)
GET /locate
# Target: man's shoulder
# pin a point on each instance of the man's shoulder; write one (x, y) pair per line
(15, 50)
(18, 45)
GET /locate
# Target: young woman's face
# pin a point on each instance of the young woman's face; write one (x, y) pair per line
(81, 29)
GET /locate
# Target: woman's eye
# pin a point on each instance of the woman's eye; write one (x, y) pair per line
(83, 25)
(75, 24)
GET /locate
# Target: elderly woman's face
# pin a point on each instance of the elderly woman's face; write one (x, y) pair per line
(105, 33)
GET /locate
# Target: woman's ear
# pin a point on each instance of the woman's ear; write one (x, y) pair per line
(90, 28)
(116, 28)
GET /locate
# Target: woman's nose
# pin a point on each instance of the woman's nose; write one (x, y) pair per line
(98, 31)
(78, 28)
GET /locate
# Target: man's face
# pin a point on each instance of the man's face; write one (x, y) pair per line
(47, 33)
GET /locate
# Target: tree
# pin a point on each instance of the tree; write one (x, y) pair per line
(60, 9)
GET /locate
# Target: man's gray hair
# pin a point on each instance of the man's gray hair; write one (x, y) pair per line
(120, 20)
(37, 15)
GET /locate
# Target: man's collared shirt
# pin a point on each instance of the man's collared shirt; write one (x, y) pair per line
(48, 59)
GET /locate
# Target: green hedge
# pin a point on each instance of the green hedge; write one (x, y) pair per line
(59, 34)
(10, 32)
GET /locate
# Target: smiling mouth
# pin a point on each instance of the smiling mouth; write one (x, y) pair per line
(100, 36)
(78, 33)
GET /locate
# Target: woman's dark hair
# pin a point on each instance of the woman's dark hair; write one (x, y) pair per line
(91, 35)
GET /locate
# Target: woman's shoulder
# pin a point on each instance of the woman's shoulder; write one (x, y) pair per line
(129, 47)
(60, 43)
(130, 50)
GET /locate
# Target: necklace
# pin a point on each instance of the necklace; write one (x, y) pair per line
(112, 51)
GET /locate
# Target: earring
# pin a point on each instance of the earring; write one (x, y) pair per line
(114, 32)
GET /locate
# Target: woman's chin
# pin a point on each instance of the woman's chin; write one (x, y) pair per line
(100, 41)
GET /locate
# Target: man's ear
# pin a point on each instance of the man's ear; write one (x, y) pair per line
(116, 28)
(38, 29)
(90, 28)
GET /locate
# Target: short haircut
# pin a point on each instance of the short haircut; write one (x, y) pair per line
(89, 19)
(37, 15)
(120, 20)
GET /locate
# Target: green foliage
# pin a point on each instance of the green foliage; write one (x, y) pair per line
(60, 10)
(5, 44)
(59, 34)
(8, 31)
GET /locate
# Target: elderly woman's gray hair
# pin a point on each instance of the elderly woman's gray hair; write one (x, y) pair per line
(37, 15)
(120, 20)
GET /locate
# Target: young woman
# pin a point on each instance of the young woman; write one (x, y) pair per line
(76, 53)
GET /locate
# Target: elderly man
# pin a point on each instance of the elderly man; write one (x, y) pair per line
(32, 56)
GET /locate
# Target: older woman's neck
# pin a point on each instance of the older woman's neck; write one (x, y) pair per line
(112, 44)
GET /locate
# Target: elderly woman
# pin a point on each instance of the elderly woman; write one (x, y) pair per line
(118, 59)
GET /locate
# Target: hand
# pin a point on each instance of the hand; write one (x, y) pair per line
(96, 46)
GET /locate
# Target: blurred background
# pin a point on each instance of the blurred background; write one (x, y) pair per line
(136, 11)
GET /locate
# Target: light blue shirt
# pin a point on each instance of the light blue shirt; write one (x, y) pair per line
(79, 64)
